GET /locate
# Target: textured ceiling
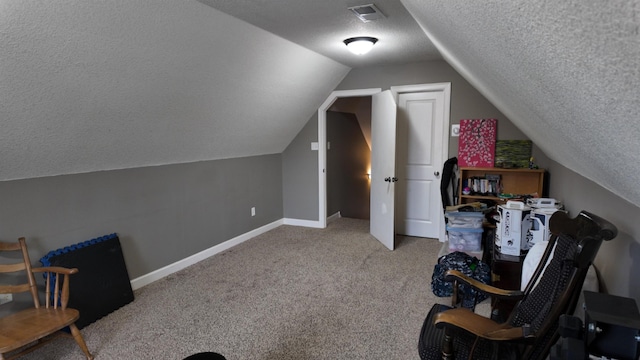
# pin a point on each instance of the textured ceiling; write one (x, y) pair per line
(567, 73)
(92, 85)
(322, 25)
(89, 86)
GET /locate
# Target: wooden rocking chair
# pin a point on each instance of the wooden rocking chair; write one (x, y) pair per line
(531, 329)
(28, 329)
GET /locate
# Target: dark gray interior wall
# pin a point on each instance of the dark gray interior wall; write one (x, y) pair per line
(348, 161)
(300, 164)
(300, 174)
(618, 261)
(466, 101)
(162, 214)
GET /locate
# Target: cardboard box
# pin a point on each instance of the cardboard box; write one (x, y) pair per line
(513, 228)
(540, 224)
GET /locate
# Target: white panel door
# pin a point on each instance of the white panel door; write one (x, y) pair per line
(383, 178)
(420, 161)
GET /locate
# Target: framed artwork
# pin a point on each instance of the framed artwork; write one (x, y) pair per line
(513, 153)
(477, 144)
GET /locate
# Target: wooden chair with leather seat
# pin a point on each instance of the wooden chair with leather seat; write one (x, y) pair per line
(531, 329)
(28, 329)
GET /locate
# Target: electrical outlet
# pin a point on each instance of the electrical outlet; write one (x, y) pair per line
(253, 211)
(5, 298)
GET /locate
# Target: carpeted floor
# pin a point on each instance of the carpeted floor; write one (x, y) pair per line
(292, 293)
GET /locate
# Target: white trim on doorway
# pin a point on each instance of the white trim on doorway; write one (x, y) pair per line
(446, 89)
(322, 145)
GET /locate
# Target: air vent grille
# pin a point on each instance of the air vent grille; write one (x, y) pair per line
(367, 12)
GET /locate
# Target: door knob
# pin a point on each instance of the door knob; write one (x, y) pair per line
(394, 179)
(387, 179)
(436, 173)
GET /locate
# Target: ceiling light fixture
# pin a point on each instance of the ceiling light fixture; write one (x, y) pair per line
(360, 45)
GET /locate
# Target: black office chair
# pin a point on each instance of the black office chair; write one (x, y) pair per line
(531, 328)
(449, 183)
(205, 356)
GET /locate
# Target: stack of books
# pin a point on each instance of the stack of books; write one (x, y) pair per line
(488, 185)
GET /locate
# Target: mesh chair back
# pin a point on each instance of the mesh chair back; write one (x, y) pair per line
(549, 294)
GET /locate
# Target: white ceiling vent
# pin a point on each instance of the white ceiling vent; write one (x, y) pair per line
(367, 13)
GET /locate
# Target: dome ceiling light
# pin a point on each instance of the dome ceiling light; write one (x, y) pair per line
(360, 45)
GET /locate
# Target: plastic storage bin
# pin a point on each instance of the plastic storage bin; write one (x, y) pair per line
(465, 219)
(464, 239)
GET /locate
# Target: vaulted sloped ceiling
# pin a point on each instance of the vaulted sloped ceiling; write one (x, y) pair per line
(567, 73)
(98, 85)
(93, 85)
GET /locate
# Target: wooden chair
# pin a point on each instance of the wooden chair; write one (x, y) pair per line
(531, 329)
(28, 329)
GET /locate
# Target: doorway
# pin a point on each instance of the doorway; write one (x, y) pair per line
(423, 123)
(441, 145)
(349, 158)
(322, 145)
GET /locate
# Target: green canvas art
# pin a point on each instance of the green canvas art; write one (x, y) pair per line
(513, 153)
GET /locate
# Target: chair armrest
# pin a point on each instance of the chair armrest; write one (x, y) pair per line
(55, 269)
(59, 295)
(455, 275)
(479, 325)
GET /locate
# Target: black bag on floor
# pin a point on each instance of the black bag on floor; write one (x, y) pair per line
(469, 266)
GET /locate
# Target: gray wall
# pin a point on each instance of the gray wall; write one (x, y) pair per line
(466, 101)
(618, 261)
(348, 161)
(162, 214)
(300, 164)
(300, 174)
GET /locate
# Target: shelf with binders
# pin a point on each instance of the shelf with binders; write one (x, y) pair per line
(499, 185)
(489, 185)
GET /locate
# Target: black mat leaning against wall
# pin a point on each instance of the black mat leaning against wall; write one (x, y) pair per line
(102, 283)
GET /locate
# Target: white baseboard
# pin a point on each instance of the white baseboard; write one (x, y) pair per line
(305, 223)
(335, 216)
(181, 264)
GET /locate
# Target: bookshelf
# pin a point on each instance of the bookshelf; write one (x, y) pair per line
(494, 183)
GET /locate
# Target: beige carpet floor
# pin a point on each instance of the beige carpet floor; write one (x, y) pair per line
(291, 293)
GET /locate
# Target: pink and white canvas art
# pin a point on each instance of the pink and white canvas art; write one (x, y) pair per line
(477, 144)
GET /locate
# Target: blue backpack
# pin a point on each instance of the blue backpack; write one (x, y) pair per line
(469, 266)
